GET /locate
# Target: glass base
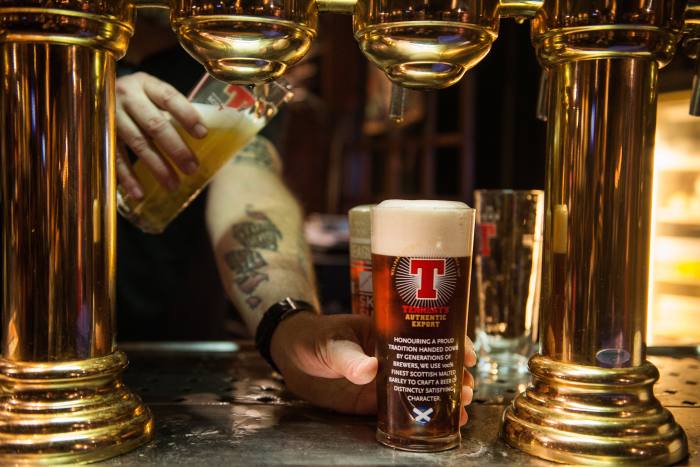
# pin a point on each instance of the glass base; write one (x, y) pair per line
(420, 444)
(503, 364)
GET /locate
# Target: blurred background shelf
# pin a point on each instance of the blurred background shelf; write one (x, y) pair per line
(685, 288)
(674, 305)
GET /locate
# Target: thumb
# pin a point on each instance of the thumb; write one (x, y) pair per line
(349, 360)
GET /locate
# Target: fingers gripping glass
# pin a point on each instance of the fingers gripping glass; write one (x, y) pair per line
(233, 115)
(421, 265)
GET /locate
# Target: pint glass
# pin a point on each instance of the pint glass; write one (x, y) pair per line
(421, 263)
(361, 260)
(234, 115)
(508, 262)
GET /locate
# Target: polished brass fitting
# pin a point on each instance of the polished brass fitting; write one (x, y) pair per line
(94, 24)
(591, 400)
(591, 415)
(518, 8)
(337, 6)
(61, 395)
(248, 41)
(58, 195)
(425, 45)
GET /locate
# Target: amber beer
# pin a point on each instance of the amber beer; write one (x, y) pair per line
(229, 130)
(361, 260)
(233, 115)
(421, 264)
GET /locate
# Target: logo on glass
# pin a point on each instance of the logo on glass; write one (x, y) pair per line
(426, 282)
(422, 415)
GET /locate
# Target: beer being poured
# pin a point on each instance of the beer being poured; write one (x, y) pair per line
(421, 264)
(233, 116)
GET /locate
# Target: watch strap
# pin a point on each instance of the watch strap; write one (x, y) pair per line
(272, 318)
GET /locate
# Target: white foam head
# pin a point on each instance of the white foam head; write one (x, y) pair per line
(217, 117)
(422, 228)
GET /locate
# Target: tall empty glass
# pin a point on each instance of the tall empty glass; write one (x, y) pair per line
(233, 115)
(508, 265)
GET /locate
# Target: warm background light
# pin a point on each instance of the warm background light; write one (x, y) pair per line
(674, 297)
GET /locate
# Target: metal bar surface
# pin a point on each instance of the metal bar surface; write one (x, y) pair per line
(224, 407)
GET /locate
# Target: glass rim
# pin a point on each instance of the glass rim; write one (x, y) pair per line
(418, 207)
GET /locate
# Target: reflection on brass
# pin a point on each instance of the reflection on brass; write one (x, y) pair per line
(61, 396)
(426, 44)
(518, 9)
(72, 411)
(590, 415)
(248, 41)
(337, 6)
(691, 22)
(95, 24)
(591, 400)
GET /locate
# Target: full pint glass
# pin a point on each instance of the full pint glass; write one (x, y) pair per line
(421, 265)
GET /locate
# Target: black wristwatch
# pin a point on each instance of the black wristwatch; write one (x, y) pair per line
(271, 319)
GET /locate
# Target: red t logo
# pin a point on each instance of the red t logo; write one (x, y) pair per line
(488, 231)
(240, 97)
(427, 270)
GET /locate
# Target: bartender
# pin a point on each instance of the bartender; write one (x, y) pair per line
(247, 226)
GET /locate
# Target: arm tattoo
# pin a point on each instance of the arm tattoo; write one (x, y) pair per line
(259, 232)
(256, 153)
(246, 262)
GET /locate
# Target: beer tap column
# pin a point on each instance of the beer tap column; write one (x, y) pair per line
(61, 395)
(591, 400)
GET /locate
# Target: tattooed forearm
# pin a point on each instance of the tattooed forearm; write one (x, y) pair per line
(257, 153)
(256, 228)
(303, 258)
(246, 262)
(259, 232)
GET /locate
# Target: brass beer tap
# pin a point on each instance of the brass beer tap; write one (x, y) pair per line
(591, 400)
(61, 395)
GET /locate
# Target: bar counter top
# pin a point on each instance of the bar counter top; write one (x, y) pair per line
(218, 403)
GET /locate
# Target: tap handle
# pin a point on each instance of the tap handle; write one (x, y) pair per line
(543, 96)
(695, 95)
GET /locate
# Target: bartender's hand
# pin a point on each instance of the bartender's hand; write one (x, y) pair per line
(142, 123)
(326, 360)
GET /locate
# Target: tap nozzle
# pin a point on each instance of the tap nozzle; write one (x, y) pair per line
(397, 105)
(543, 96)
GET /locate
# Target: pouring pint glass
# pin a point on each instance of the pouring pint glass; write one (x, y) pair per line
(421, 264)
(234, 115)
